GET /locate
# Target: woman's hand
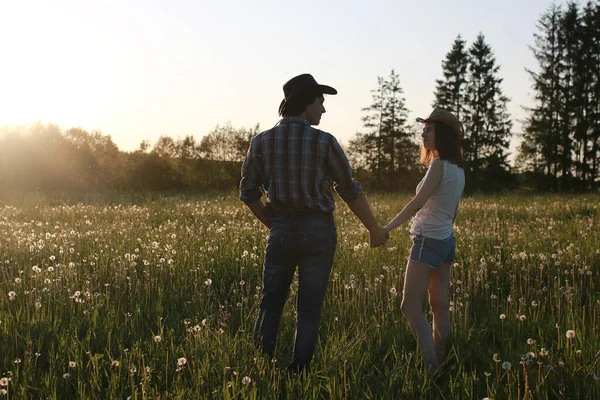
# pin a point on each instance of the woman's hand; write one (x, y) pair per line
(378, 236)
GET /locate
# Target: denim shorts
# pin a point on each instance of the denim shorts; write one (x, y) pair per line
(433, 252)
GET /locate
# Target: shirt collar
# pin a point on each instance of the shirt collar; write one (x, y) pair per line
(295, 119)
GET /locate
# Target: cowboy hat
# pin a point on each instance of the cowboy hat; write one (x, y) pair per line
(302, 84)
(446, 117)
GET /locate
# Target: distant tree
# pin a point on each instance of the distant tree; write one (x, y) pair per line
(188, 149)
(569, 42)
(373, 123)
(99, 156)
(541, 133)
(387, 147)
(362, 153)
(592, 33)
(144, 146)
(166, 147)
(450, 90)
(487, 122)
(226, 143)
(585, 64)
(562, 133)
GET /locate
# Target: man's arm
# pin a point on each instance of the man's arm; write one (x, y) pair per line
(351, 192)
(361, 208)
(250, 192)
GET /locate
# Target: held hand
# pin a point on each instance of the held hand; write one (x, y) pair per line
(378, 236)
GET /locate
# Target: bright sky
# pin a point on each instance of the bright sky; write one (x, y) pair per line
(138, 69)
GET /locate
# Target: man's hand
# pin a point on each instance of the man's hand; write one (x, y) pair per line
(378, 236)
(258, 209)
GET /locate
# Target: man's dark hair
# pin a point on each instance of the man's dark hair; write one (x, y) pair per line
(297, 103)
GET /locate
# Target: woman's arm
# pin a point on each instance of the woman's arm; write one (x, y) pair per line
(432, 180)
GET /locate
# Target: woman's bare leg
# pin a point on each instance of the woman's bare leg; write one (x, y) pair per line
(416, 284)
(439, 287)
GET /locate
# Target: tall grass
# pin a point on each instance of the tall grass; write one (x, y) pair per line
(156, 299)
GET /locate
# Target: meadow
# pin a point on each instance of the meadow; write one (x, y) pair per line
(155, 298)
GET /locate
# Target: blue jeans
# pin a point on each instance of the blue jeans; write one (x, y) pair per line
(306, 240)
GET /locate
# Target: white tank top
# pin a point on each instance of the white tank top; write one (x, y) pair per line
(436, 219)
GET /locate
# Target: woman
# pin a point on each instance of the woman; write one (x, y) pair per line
(434, 246)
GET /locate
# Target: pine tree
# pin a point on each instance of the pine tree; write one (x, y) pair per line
(394, 126)
(450, 91)
(591, 46)
(372, 121)
(569, 42)
(487, 122)
(541, 134)
(584, 65)
(563, 126)
(387, 146)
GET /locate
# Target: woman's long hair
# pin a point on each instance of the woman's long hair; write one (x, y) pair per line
(447, 147)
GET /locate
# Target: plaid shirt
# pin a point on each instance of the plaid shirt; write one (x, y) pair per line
(294, 162)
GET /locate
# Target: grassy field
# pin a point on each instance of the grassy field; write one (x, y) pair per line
(156, 299)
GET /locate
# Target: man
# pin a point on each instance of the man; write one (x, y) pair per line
(293, 162)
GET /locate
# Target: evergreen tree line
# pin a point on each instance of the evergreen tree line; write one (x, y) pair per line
(561, 138)
(560, 148)
(470, 88)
